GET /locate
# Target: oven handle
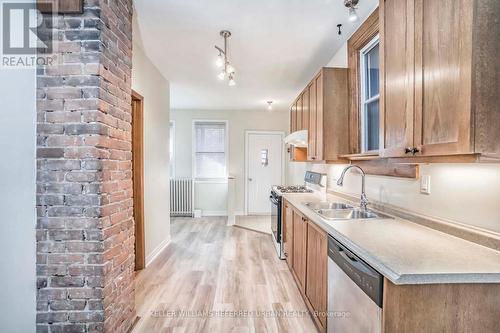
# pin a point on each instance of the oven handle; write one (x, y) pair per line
(273, 201)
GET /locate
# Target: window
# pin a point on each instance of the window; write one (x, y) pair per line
(172, 149)
(369, 108)
(209, 149)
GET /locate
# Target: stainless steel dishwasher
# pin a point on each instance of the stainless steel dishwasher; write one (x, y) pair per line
(354, 292)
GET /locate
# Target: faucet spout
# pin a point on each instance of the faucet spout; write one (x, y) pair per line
(340, 182)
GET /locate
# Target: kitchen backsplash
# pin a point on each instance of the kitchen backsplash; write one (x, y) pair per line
(462, 193)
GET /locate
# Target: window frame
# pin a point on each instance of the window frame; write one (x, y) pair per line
(363, 102)
(193, 150)
(171, 135)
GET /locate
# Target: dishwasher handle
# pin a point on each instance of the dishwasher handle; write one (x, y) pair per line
(363, 275)
(356, 264)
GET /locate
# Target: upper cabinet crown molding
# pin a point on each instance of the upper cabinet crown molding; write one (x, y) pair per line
(440, 77)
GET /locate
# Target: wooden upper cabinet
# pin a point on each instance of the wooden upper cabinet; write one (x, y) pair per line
(396, 77)
(312, 153)
(443, 85)
(293, 118)
(299, 113)
(440, 77)
(324, 112)
(305, 110)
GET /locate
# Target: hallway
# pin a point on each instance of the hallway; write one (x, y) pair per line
(211, 267)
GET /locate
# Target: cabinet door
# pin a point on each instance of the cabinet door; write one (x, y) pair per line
(293, 118)
(299, 113)
(319, 117)
(299, 248)
(317, 267)
(397, 76)
(288, 234)
(443, 58)
(305, 109)
(312, 134)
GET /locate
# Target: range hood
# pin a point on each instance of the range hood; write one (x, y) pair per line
(297, 139)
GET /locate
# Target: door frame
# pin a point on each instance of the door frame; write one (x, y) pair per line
(138, 178)
(245, 180)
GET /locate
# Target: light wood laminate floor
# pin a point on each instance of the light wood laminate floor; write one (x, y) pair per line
(209, 266)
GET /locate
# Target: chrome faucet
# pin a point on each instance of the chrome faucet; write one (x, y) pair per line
(340, 182)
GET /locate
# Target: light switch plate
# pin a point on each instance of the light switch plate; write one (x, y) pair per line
(425, 185)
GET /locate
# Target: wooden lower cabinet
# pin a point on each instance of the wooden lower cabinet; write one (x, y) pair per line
(473, 307)
(299, 249)
(420, 308)
(308, 245)
(317, 270)
(288, 233)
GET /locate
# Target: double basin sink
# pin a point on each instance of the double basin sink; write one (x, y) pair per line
(342, 211)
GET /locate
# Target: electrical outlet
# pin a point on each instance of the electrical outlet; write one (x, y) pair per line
(425, 185)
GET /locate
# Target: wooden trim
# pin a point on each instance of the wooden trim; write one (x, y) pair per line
(387, 167)
(138, 177)
(365, 33)
(60, 6)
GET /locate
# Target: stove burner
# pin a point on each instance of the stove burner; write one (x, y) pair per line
(293, 189)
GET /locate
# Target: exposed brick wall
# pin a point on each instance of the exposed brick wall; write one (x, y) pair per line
(85, 231)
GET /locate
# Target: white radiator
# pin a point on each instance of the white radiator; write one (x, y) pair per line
(181, 197)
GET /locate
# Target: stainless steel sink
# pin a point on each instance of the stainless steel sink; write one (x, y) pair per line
(348, 214)
(328, 205)
(341, 211)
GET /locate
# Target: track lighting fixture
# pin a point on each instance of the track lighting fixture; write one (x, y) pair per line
(223, 61)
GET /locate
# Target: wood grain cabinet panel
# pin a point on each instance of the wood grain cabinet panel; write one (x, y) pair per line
(440, 75)
(317, 267)
(293, 117)
(305, 110)
(299, 113)
(324, 110)
(288, 233)
(312, 153)
(396, 79)
(444, 70)
(299, 249)
(457, 307)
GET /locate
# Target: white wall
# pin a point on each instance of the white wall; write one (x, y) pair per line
(17, 200)
(462, 193)
(210, 197)
(147, 81)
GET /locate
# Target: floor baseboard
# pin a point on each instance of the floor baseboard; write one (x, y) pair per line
(153, 255)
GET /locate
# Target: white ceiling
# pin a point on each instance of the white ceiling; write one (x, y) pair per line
(276, 47)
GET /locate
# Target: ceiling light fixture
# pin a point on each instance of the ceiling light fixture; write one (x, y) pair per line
(223, 61)
(269, 105)
(351, 4)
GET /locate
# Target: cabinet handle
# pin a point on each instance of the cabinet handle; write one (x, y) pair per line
(313, 158)
(408, 150)
(415, 150)
(286, 255)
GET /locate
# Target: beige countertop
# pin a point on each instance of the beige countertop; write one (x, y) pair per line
(406, 252)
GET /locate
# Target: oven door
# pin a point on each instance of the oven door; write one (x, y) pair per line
(275, 216)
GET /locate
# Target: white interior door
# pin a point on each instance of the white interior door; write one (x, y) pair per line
(264, 155)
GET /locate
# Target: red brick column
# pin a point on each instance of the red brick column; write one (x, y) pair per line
(85, 231)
